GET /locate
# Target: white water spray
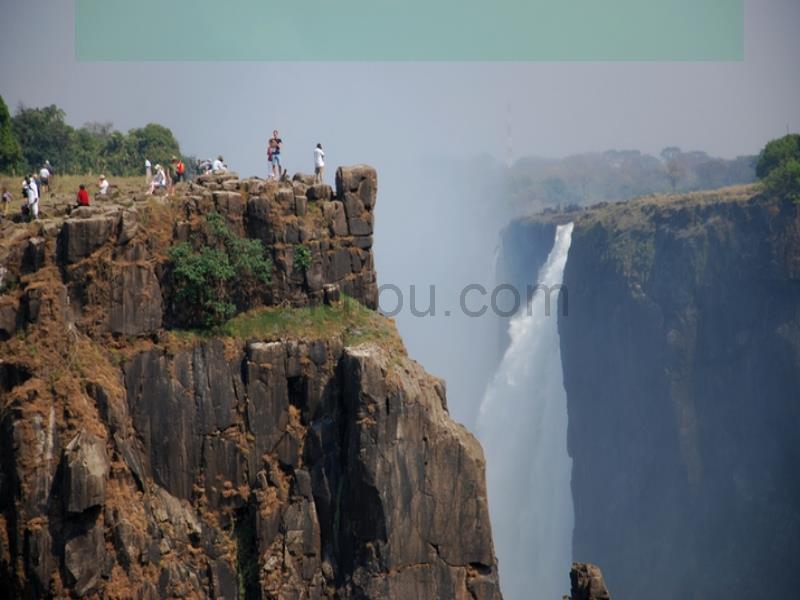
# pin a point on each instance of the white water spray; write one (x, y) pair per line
(523, 428)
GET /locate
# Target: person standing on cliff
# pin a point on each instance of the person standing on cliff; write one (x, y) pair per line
(276, 143)
(44, 178)
(319, 164)
(6, 200)
(32, 194)
(270, 151)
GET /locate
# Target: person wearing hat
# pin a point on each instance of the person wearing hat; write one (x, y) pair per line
(103, 185)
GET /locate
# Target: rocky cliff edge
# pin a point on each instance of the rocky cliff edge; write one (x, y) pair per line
(296, 454)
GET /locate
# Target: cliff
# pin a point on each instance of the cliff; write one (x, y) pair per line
(681, 359)
(295, 452)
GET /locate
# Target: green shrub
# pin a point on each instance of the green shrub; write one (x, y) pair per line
(784, 180)
(302, 257)
(217, 274)
(777, 152)
(779, 167)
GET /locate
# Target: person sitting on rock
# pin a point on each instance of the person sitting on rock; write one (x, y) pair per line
(203, 166)
(219, 165)
(159, 180)
(103, 185)
(82, 196)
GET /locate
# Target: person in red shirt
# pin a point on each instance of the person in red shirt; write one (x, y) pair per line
(83, 196)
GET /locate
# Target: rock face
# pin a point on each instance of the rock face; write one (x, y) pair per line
(681, 358)
(587, 583)
(139, 463)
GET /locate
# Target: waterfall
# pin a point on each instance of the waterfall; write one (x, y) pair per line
(523, 427)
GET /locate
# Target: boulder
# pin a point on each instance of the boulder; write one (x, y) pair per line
(9, 318)
(335, 217)
(86, 466)
(587, 583)
(319, 191)
(350, 179)
(304, 178)
(129, 225)
(84, 559)
(360, 226)
(80, 237)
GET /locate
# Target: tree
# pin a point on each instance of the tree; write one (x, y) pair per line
(153, 142)
(44, 135)
(10, 151)
(670, 153)
(779, 167)
(674, 173)
(777, 152)
(784, 180)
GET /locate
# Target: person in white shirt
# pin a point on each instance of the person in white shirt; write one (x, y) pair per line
(319, 164)
(103, 185)
(159, 181)
(32, 193)
(148, 171)
(218, 166)
(44, 178)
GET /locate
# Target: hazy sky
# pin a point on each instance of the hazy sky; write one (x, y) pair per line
(433, 224)
(368, 111)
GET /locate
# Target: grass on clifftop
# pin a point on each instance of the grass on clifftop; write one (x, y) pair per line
(349, 320)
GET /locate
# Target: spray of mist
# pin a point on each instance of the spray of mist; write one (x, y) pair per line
(523, 427)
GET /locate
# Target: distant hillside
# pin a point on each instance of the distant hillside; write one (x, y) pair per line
(583, 179)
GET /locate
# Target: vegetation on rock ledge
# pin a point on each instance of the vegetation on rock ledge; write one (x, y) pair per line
(779, 167)
(216, 275)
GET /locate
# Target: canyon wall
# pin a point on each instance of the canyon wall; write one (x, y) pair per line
(300, 456)
(681, 359)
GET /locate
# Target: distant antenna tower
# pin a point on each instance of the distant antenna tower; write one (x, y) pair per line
(509, 138)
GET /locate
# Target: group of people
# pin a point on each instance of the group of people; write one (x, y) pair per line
(276, 169)
(157, 178)
(32, 187)
(164, 179)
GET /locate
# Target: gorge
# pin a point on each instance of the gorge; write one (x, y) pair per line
(681, 364)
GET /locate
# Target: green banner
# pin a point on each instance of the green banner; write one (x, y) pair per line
(414, 30)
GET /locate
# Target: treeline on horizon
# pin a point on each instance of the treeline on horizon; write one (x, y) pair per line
(584, 179)
(33, 135)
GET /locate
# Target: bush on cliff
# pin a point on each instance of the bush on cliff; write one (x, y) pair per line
(777, 152)
(784, 181)
(779, 167)
(216, 274)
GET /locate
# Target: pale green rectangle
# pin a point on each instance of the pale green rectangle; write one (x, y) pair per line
(391, 30)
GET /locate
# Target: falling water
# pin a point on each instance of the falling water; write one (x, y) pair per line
(523, 427)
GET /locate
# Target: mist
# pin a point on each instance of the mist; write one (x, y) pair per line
(437, 134)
